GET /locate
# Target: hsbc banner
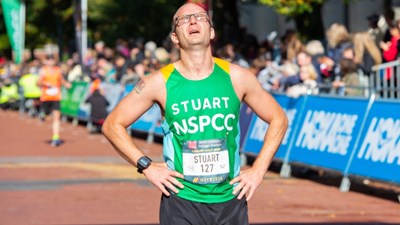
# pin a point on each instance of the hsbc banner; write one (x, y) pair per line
(328, 130)
(256, 132)
(378, 153)
(341, 134)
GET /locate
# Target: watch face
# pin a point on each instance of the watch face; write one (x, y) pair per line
(143, 162)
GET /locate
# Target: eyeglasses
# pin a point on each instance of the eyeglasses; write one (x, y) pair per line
(200, 17)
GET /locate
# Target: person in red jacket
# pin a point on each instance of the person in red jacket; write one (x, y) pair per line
(389, 49)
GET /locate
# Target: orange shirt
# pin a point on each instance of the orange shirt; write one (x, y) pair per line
(50, 79)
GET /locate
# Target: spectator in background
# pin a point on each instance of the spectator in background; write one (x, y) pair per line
(89, 59)
(374, 30)
(270, 73)
(149, 50)
(307, 84)
(174, 54)
(323, 64)
(99, 48)
(134, 72)
(284, 43)
(256, 65)
(389, 49)
(137, 52)
(162, 57)
(295, 46)
(30, 90)
(121, 48)
(120, 64)
(348, 53)
(338, 40)
(389, 16)
(109, 54)
(302, 59)
(366, 52)
(230, 54)
(75, 72)
(98, 109)
(294, 57)
(106, 70)
(9, 96)
(349, 84)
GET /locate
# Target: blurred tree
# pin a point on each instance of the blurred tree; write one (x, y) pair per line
(109, 20)
(52, 21)
(47, 21)
(226, 24)
(306, 14)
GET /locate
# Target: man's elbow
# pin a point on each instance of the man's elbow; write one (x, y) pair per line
(283, 120)
(106, 127)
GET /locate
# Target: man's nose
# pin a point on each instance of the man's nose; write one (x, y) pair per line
(192, 18)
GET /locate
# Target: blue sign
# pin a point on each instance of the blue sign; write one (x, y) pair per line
(327, 132)
(378, 153)
(257, 128)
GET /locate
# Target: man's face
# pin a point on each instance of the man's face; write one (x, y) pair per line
(192, 26)
(303, 59)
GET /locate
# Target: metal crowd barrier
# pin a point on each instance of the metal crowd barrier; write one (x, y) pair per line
(385, 79)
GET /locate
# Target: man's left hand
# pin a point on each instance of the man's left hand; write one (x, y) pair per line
(248, 181)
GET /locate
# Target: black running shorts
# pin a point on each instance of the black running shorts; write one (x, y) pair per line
(175, 210)
(49, 106)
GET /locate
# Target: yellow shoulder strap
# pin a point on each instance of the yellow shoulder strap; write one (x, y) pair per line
(223, 64)
(166, 71)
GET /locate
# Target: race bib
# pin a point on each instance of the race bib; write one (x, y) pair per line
(205, 161)
(52, 91)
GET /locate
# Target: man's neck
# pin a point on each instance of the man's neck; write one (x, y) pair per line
(195, 65)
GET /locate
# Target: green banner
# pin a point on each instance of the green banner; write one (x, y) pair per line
(73, 97)
(14, 17)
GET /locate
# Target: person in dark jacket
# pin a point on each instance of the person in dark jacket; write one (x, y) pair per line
(98, 111)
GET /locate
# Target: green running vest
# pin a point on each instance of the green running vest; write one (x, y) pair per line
(201, 133)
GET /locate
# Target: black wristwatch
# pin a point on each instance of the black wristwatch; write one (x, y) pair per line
(143, 163)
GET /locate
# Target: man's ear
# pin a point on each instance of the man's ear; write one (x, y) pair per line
(212, 33)
(174, 38)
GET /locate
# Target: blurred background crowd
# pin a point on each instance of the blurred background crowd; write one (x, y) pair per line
(340, 64)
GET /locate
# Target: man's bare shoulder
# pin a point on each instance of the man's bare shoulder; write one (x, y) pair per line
(151, 87)
(240, 72)
(241, 75)
(153, 81)
(243, 80)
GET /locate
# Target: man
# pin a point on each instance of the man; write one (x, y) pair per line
(50, 81)
(200, 99)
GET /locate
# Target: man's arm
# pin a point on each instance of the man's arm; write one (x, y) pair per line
(264, 105)
(149, 90)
